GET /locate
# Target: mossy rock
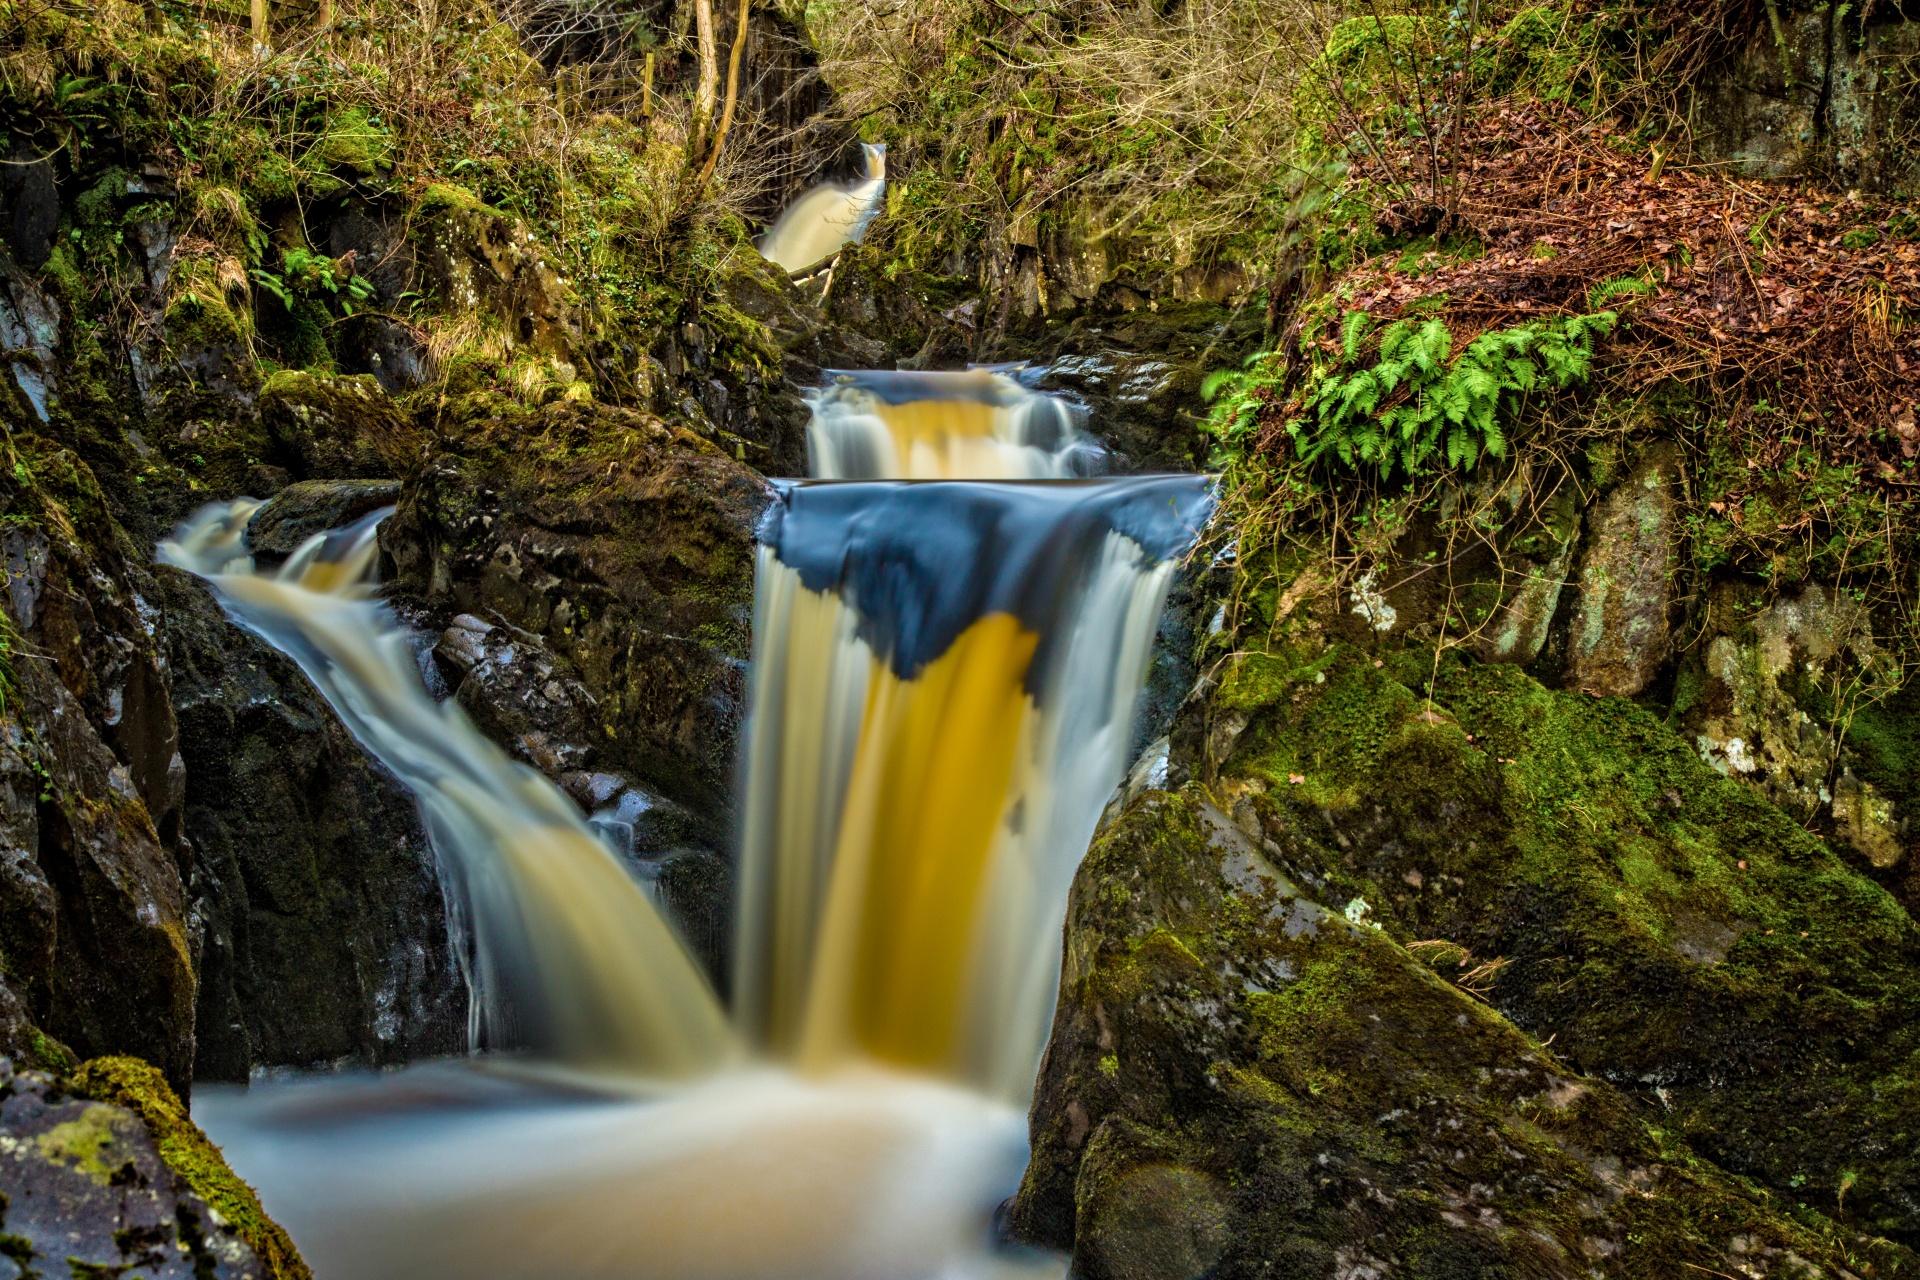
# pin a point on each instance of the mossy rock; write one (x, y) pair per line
(1244, 1082)
(626, 545)
(142, 1090)
(1668, 928)
(332, 428)
(310, 507)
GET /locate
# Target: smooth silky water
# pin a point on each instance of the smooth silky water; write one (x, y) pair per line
(942, 699)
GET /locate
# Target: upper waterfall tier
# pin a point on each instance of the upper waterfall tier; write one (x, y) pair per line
(919, 563)
(829, 217)
(980, 424)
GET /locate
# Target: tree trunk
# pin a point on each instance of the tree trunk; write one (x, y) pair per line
(708, 87)
(259, 24)
(733, 100)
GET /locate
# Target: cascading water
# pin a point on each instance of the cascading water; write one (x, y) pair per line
(829, 217)
(944, 681)
(976, 425)
(567, 954)
(942, 698)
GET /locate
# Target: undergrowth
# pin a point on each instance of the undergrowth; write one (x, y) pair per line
(244, 152)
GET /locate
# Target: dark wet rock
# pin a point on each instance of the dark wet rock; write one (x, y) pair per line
(696, 886)
(308, 507)
(522, 695)
(325, 931)
(98, 940)
(32, 205)
(1243, 1081)
(30, 323)
(330, 427)
(528, 698)
(1621, 636)
(626, 547)
(385, 258)
(1668, 929)
(1138, 373)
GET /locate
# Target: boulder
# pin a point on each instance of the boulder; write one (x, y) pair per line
(331, 428)
(1667, 928)
(309, 507)
(529, 699)
(105, 1174)
(1249, 1078)
(476, 258)
(626, 546)
(1621, 636)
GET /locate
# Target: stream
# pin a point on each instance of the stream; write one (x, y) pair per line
(951, 631)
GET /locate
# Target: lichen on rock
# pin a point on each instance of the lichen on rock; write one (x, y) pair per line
(103, 1173)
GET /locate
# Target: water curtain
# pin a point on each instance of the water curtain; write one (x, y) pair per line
(942, 700)
(567, 954)
(828, 217)
(980, 424)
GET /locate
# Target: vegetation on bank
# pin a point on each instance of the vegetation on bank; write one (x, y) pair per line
(190, 154)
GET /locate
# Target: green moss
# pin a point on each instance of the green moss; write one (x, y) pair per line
(85, 1142)
(1664, 923)
(447, 195)
(139, 1087)
(1316, 1069)
(355, 141)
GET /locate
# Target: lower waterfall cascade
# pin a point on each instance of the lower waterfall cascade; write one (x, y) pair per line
(942, 699)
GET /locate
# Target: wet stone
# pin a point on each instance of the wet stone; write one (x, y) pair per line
(299, 511)
(1621, 634)
(84, 1191)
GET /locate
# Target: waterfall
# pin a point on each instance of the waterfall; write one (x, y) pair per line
(568, 956)
(829, 217)
(976, 425)
(942, 701)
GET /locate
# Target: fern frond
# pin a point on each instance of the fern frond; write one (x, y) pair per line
(1352, 330)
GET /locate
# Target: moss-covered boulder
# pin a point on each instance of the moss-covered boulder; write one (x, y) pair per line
(1580, 867)
(626, 545)
(104, 1174)
(1248, 1078)
(479, 260)
(335, 428)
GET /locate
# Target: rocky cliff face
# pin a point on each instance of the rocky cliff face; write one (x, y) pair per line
(1828, 91)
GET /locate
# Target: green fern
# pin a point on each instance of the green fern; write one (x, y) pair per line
(1417, 403)
(1621, 287)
